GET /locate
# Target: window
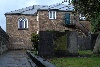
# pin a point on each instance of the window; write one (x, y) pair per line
(52, 14)
(22, 23)
(82, 17)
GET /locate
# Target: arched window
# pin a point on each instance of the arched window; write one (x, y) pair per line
(22, 23)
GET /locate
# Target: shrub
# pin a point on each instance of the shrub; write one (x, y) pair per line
(35, 40)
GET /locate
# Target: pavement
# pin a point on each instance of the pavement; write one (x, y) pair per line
(15, 58)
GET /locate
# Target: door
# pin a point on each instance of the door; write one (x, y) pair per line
(67, 18)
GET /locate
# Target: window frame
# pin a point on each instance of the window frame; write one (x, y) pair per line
(52, 14)
(24, 23)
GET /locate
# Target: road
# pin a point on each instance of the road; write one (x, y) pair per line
(14, 58)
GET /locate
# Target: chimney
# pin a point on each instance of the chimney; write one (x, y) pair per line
(65, 0)
(33, 7)
(69, 2)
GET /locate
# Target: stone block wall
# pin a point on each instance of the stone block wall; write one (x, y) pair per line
(72, 42)
(84, 43)
(84, 26)
(57, 24)
(93, 40)
(45, 47)
(4, 41)
(47, 44)
(20, 39)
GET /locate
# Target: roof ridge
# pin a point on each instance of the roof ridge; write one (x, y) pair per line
(58, 4)
(26, 9)
(34, 8)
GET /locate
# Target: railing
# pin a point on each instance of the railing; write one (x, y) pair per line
(4, 40)
(83, 28)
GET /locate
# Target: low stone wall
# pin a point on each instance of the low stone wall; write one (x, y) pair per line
(39, 61)
(84, 43)
(4, 41)
(96, 49)
(50, 43)
(45, 44)
(93, 40)
(72, 42)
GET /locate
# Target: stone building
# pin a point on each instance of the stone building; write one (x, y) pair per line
(20, 24)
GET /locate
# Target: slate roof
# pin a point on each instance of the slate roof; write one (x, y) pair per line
(32, 10)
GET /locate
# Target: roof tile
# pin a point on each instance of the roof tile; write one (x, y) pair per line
(31, 10)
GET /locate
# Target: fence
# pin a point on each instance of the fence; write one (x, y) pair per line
(4, 39)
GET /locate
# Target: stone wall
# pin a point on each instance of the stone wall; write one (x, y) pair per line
(96, 49)
(84, 26)
(72, 42)
(84, 43)
(93, 40)
(20, 39)
(45, 47)
(48, 46)
(57, 24)
(4, 41)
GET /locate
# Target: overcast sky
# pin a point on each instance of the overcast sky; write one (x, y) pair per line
(11, 5)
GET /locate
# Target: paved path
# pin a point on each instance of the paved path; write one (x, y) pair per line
(14, 58)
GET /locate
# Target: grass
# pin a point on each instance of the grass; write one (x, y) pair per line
(85, 52)
(92, 61)
(76, 62)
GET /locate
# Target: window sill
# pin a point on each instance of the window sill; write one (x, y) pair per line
(22, 28)
(52, 19)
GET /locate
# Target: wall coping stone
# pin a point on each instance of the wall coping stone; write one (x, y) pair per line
(39, 61)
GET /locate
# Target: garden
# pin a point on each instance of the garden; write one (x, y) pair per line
(85, 59)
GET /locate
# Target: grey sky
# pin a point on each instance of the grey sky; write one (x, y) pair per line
(11, 5)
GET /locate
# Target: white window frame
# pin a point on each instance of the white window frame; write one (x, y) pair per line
(52, 14)
(37, 17)
(25, 20)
